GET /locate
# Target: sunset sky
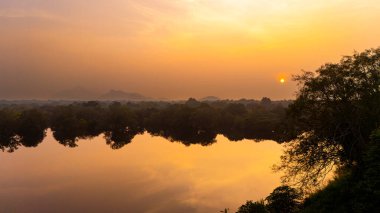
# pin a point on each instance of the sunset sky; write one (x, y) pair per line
(176, 48)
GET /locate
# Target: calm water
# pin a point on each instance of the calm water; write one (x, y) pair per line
(150, 174)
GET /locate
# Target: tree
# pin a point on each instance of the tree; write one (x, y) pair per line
(8, 128)
(330, 122)
(283, 199)
(253, 207)
(354, 190)
(31, 127)
(266, 101)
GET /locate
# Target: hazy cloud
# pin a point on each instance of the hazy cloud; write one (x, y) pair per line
(166, 48)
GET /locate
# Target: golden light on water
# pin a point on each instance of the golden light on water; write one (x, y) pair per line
(203, 179)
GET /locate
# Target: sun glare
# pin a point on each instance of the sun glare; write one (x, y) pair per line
(282, 80)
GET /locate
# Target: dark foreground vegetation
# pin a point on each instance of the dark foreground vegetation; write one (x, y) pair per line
(333, 125)
(189, 122)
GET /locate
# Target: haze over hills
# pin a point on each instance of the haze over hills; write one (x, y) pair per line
(210, 98)
(121, 95)
(76, 93)
(80, 93)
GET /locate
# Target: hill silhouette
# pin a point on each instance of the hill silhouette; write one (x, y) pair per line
(210, 98)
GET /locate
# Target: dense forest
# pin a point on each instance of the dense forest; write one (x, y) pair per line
(332, 126)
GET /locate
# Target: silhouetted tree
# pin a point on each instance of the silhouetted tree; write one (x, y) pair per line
(332, 118)
(192, 102)
(266, 101)
(352, 190)
(66, 126)
(31, 127)
(253, 207)
(283, 199)
(121, 125)
(8, 128)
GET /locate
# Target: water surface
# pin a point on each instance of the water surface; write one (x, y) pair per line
(151, 174)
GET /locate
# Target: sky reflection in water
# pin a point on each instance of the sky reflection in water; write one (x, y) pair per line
(150, 174)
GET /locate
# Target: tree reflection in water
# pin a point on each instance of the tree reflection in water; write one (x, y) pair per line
(191, 122)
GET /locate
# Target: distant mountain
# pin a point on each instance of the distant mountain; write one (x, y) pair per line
(76, 93)
(210, 98)
(116, 95)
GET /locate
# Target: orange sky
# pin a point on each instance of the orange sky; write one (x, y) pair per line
(176, 48)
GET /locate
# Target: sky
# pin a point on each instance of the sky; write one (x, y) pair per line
(176, 48)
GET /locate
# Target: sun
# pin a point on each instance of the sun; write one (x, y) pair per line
(282, 80)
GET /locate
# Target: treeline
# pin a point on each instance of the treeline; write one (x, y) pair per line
(190, 122)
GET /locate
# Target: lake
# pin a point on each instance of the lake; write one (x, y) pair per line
(151, 174)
